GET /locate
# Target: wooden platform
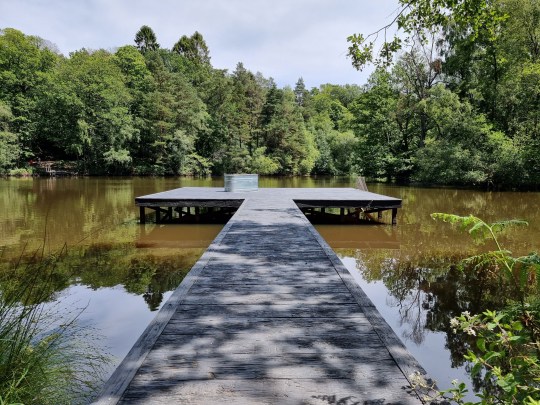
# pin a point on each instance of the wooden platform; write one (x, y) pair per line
(352, 199)
(268, 315)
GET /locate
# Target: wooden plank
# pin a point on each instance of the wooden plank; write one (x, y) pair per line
(226, 345)
(188, 203)
(275, 391)
(271, 310)
(279, 268)
(228, 298)
(268, 341)
(254, 279)
(306, 326)
(241, 288)
(166, 365)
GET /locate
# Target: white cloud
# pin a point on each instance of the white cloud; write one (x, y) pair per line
(284, 39)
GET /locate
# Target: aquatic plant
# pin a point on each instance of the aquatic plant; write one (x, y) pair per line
(505, 355)
(45, 357)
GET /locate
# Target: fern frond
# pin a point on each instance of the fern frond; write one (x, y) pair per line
(453, 219)
(476, 227)
(502, 225)
(496, 259)
(480, 230)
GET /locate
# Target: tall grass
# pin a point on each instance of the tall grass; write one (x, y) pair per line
(45, 356)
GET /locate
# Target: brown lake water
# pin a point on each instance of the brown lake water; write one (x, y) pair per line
(121, 272)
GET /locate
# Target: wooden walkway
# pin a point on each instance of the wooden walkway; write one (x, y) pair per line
(268, 315)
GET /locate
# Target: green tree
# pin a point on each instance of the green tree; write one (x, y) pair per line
(174, 118)
(379, 132)
(133, 67)
(286, 137)
(146, 39)
(193, 48)
(9, 149)
(25, 64)
(103, 126)
(300, 93)
(243, 116)
(217, 95)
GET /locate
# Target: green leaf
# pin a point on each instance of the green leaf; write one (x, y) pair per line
(476, 369)
(517, 325)
(481, 343)
(507, 383)
(491, 355)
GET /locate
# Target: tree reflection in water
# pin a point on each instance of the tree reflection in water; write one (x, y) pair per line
(144, 272)
(428, 290)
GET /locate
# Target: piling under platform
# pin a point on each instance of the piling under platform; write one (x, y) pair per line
(268, 315)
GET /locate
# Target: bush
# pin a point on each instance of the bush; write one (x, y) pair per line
(505, 358)
(21, 172)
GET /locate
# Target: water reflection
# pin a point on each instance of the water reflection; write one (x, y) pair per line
(182, 236)
(145, 273)
(360, 237)
(418, 298)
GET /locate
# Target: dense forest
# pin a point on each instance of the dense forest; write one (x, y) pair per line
(452, 108)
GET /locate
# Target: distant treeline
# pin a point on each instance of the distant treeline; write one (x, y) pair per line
(146, 110)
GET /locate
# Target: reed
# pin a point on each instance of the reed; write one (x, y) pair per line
(46, 357)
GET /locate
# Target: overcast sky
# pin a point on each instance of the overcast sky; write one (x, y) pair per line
(283, 39)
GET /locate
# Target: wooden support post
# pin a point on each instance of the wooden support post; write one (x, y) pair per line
(379, 215)
(342, 215)
(394, 216)
(323, 210)
(158, 215)
(142, 215)
(361, 184)
(169, 212)
(197, 212)
(367, 215)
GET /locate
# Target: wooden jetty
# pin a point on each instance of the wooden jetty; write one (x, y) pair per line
(54, 168)
(268, 315)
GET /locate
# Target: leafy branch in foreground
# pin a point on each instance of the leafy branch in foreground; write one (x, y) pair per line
(423, 18)
(507, 342)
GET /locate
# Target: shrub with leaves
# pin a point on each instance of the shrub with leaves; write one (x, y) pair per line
(507, 342)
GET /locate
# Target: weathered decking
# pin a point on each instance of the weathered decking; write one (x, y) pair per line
(268, 315)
